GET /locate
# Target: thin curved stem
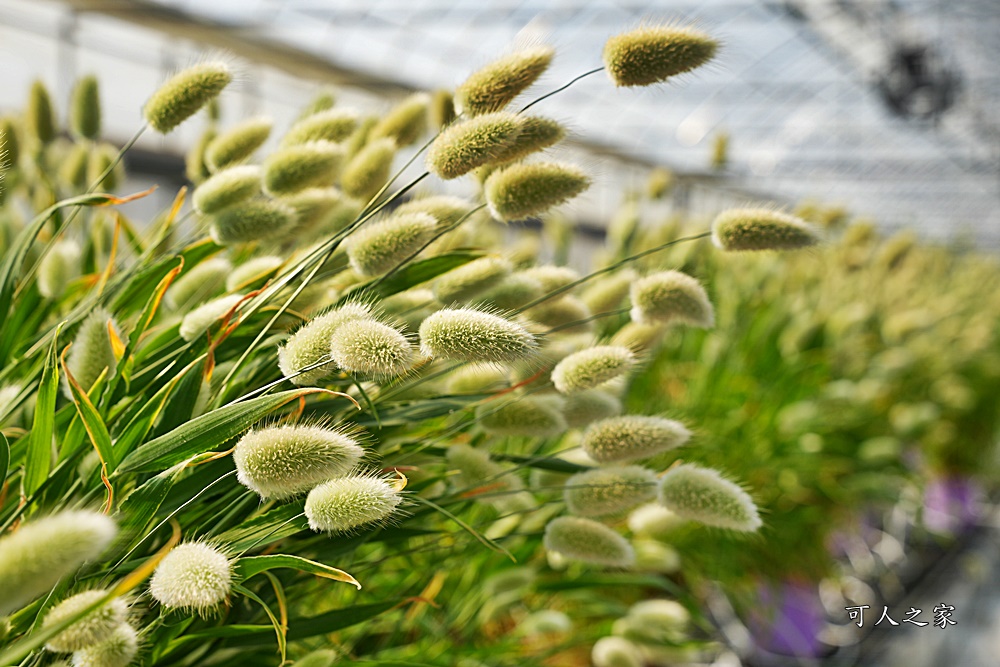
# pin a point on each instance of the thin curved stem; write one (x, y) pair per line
(560, 88)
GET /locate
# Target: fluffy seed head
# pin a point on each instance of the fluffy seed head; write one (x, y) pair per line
(284, 461)
(653, 520)
(346, 503)
(607, 294)
(118, 650)
(184, 94)
(610, 490)
(527, 416)
(103, 156)
(314, 206)
(462, 284)
(470, 144)
(476, 470)
(381, 246)
(467, 334)
(588, 541)
(591, 368)
(761, 229)
(616, 652)
(544, 622)
(560, 312)
(93, 628)
(295, 168)
(369, 170)
(584, 407)
(405, 123)
(227, 187)
(649, 55)
(334, 125)
(198, 284)
(537, 134)
(636, 336)
(512, 292)
(39, 119)
(40, 553)
(91, 352)
(445, 209)
(10, 151)
(671, 297)
(58, 267)
(703, 495)
(195, 165)
(252, 273)
(85, 109)
(552, 277)
(493, 87)
(323, 657)
(632, 437)
(371, 348)
(442, 109)
(73, 170)
(323, 101)
(194, 577)
(311, 344)
(198, 321)
(251, 220)
(475, 379)
(238, 143)
(526, 190)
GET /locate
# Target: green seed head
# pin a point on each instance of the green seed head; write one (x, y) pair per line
(10, 151)
(660, 183)
(193, 577)
(467, 281)
(406, 122)
(314, 206)
(103, 156)
(606, 295)
(467, 334)
(237, 144)
(527, 416)
(346, 503)
(195, 166)
(118, 650)
(512, 292)
(445, 209)
(251, 220)
(382, 246)
(85, 109)
(311, 344)
(588, 541)
(41, 552)
(371, 348)
(655, 556)
(95, 627)
(703, 495)
(477, 471)
(475, 379)
(39, 119)
(561, 312)
(58, 267)
(442, 109)
(184, 94)
(761, 229)
(198, 284)
(616, 652)
(671, 297)
(226, 188)
(636, 336)
(198, 321)
(591, 368)
(467, 145)
(584, 407)
(493, 87)
(295, 168)
(608, 491)
(369, 170)
(527, 190)
(73, 170)
(410, 307)
(91, 352)
(323, 101)
(537, 134)
(284, 461)
(649, 55)
(334, 125)
(324, 657)
(545, 622)
(552, 277)
(252, 273)
(632, 437)
(654, 521)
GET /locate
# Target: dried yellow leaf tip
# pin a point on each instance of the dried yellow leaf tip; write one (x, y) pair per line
(649, 55)
(493, 87)
(761, 229)
(184, 94)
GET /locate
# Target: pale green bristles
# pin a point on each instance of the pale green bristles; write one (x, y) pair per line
(591, 368)
(632, 437)
(334, 125)
(703, 495)
(346, 503)
(59, 266)
(486, 480)
(568, 313)
(405, 123)
(39, 119)
(371, 348)
(283, 461)
(295, 168)
(118, 650)
(584, 407)
(467, 334)
(514, 291)
(238, 143)
(10, 150)
(616, 652)
(445, 209)
(196, 167)
(493, 87)
(671, 297)
(201, 282)
(654, 521)
(253, 272)
(537, 134)
(92, 351)
(314, 206)
(369, 170)
(467, 145)
(608, 491)
(310, 345)
(761, 229)
(476, 379)
(226, 188)
(462, 284)
(198, 321)
(527, 416)
(42, 551)
(251, 220)
(382, 246)
(73, 170)
(193, 577)
(527, 190)
(608, 293)
(102, 156)
(585, 540)
(85, 109)
(552, 277)
(95, 627)
(185, 94)
(649, 55)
